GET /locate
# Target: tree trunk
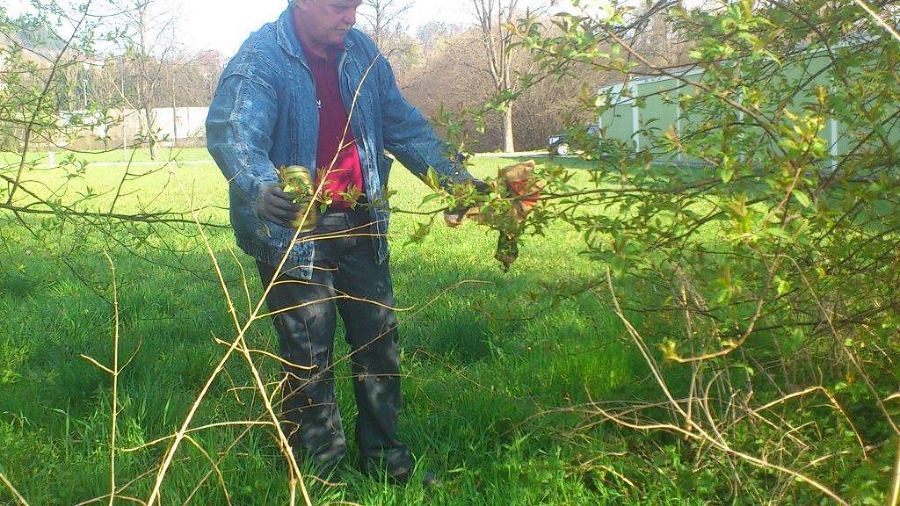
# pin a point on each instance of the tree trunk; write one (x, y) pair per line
(151, 132)
(174, 111)
(509, 145)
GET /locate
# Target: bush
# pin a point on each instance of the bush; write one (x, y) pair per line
(760, 284)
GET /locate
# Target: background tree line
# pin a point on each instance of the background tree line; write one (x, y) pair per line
(462, 67)
(439, 66)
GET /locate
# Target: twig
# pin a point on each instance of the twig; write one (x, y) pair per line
(246, 286)
(219, 425)
(699, 434)
(618, 475)
(114, 373)
(642, 347)
(237, 344)
(215, 467)
(895, 493)
(853, 359)
(757, 314)
(209, 473)
(761, 463)
(98, 365)
(831, 400)
(115, 385)
(54, 68)
(121, 490)
(257, 378)
(15, 492)
(881, 22)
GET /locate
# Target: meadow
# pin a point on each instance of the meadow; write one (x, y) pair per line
(493, 369)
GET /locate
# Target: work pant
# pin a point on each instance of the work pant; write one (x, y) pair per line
(346, 278)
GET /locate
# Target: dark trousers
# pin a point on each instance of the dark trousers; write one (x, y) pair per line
(346, 280)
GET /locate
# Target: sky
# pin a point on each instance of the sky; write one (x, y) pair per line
(223, 25)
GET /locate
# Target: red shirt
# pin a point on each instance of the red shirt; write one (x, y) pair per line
(336, 155)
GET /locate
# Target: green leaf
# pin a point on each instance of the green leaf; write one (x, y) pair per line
(431, 197)
(778, 232)
(803, 198)
(784, 287)
(726, 173)
(433, 179)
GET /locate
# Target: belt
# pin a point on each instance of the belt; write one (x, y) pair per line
(358, 206)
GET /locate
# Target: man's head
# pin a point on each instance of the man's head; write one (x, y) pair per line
(325, 23)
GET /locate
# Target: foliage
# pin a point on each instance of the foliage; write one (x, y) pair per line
(764, 272)
(739, 313)
(35, 86)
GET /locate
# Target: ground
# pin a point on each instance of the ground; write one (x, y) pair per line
(496, 373)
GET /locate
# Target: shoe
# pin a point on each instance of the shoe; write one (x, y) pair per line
(327, 472)
(399, 475)
(429, 478)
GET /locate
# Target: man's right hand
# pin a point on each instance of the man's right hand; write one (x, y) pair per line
(275, 205)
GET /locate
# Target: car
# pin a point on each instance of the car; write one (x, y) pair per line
(560, 144)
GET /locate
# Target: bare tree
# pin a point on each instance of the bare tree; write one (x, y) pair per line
(435, 32)
(493, 18)
(189, 80)
(148, 37)
(381, 18)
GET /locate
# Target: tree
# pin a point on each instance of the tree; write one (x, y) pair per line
(494, 19)
(746, 239)
(434, 32)
(148, 41)
(382, 18)
(37, 112)
(188, 80)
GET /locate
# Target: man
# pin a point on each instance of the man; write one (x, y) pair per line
(311, 90)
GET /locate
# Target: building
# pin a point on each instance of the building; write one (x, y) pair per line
(639, 111)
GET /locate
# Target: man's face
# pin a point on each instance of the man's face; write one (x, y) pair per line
(326, 22)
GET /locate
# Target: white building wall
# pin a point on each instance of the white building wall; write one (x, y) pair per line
(181, 123)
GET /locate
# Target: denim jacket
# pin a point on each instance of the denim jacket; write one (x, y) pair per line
(264, 115)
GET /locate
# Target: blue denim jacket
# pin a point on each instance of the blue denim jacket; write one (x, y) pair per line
(264, 115)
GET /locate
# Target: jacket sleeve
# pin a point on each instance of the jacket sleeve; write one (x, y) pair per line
(409, 136)
(239, 131)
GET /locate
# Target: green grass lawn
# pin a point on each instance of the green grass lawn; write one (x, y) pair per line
(491, 366)
(114, 154)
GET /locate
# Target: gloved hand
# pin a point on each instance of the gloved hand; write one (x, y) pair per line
(275, 205)
(453, 218)
(517, 184)
(480, 186)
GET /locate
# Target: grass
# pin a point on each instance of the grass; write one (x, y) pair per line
(112, 155)
(488, 365)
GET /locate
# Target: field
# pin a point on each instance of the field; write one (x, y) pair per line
(114, 156)
(492, 369)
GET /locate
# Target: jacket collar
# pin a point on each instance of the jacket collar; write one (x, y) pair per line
(287, 37)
